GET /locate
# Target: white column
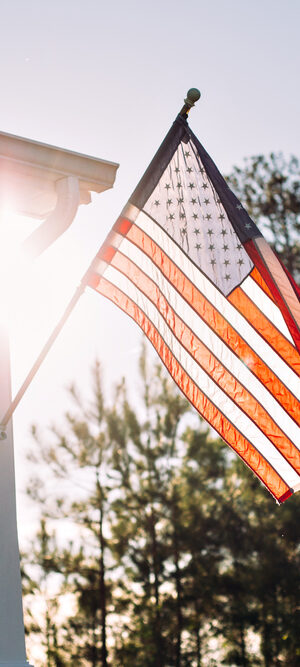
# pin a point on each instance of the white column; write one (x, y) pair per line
(12, 638)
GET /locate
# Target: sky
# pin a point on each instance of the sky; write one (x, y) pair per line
(107, 79)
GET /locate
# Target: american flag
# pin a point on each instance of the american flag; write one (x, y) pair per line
(187, 263)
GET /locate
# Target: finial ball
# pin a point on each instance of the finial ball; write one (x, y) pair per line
(193, 95)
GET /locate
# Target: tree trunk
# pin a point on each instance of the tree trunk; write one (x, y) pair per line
(158, 635)
(244, 659)
(266, 643)
(94, 652)
(177, 584)
(48, 638)
(102, 586)
(198, 646)
(178, 600)
(276, 629)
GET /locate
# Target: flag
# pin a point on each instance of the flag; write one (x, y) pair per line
(187, 263)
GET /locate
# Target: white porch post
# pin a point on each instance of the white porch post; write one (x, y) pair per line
(12, 639)
(47, 183)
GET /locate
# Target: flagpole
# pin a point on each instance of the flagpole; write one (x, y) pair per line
(77, 294)
(193, 95)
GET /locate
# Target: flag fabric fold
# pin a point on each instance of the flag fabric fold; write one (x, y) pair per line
(188, 264)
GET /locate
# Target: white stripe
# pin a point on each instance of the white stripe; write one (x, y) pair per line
(212, 341)
(203, 380)
(281, 279)
(266, 305)
(219, 301)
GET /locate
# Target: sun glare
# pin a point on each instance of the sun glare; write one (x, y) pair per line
(13, 261)
(35, 293)
(25, 282)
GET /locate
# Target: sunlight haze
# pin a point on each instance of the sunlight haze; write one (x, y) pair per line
(107, 80)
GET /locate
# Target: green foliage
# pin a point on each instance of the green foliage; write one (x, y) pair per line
(178, 556)
(39, 570)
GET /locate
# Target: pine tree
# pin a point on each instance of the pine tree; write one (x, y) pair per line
(77, 497)
(165, 533)
(163, 540)
(41, 585)
(145, 456)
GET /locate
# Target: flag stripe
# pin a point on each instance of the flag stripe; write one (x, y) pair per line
(260, 281)
(229, 318)
(201, 379)
(198, 327)
(215, 320)
(189, 330)
(266, 329)
(205, 407)
(267, 305)
(280, 277)
(278, 282)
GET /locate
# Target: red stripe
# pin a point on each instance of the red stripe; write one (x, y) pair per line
(265, 328)
(122, 226)
(260, 264)
(204, 357)
(107, 253)
(93, 280)
(205, 407)
(259, 280)
(285, 496)
(215, 320)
